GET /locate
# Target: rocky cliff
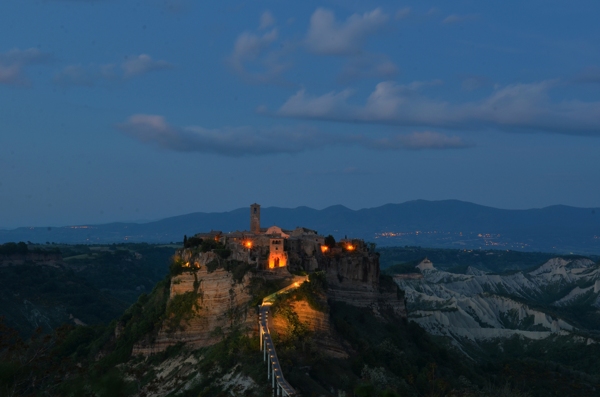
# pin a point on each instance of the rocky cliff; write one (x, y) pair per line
(317, 322)
(354, 278)
(212, 295)
(481, 306)
(220, 302)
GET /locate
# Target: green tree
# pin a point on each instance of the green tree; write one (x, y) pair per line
(330, 241)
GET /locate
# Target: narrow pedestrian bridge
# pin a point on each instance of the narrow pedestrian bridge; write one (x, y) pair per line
(274, 374)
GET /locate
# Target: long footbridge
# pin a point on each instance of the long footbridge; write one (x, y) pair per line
(274, 374)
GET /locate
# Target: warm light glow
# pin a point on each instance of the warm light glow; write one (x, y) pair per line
(324, 248)
(350, 247)
(248, 244)
(277, 260)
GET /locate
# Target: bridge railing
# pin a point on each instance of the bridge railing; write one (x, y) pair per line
(280, 386)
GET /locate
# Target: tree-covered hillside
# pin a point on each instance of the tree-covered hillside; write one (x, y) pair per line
(385, 356)
(75, 284)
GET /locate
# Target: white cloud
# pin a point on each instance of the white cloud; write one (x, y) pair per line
(255, 60)
(421, 141)
(11, 74)
(133, 66)
(368, 66)
(326, 36)
(14, 62)
(432, 11)
(324, 106)
(455, 18)
(227, 141)
(249, 141)
(248, 46)
(141, 64)
(266, 20)
(513, 107)
(176, 6)
(588, 75)
(108, 71)
(75, 75)
(403, 13)
(472, 83)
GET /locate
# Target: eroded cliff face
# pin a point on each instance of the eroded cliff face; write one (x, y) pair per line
(317, 322)
(218, 299)
(354, 279)
(306, 258)
(220, 303)
(352, 271)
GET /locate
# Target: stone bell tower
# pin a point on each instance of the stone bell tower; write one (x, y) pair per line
(255, 218)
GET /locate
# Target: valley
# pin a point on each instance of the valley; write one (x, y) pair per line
(486, 323)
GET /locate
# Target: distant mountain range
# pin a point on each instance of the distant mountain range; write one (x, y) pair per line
(447, 223)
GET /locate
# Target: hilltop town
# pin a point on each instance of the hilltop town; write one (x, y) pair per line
(293, 312)
(274, 248)
(219, 270)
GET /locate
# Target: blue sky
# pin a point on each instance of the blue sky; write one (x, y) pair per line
(136, 110)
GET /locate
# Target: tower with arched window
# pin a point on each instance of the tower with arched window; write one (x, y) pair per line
(255, 218)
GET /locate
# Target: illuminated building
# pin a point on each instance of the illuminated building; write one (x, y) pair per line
(274, 248)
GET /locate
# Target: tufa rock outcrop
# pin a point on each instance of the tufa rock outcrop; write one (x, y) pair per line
(210, 291)
(219, 303)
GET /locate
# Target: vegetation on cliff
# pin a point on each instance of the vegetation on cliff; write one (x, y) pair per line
(385, 355)
(90, 284)
(312, 292)
(18, 249)
(79, 361)
(182, 307)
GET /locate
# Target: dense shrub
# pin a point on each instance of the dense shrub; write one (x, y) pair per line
(13, 248)
(222, 252)
(176, 267)
(330, 241)
(182, 307)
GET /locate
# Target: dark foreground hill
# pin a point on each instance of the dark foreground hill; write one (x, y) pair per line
(47, 286)
(446, 224)
(381, 354)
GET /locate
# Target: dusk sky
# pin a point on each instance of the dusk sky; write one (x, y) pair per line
(118, 110)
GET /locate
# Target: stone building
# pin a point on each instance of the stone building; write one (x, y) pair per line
(255, 218)
(273, 247)
(351, 269)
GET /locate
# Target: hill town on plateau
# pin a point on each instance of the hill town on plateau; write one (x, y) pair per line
(273, 248)
(277, 312)
(212, 273)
